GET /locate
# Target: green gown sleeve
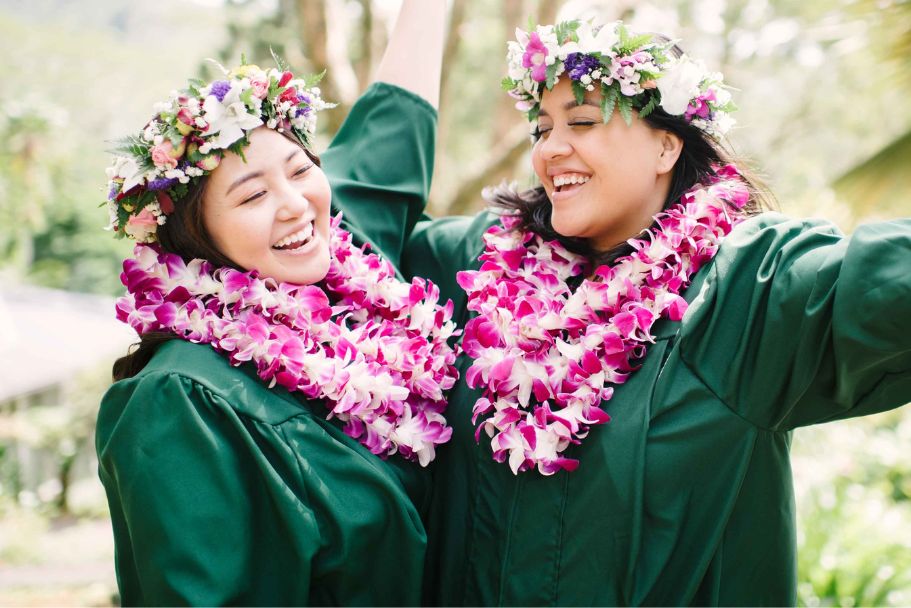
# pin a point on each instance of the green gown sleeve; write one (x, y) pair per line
(380, 165)
(797, 324)
(438, 249)
(194, 510)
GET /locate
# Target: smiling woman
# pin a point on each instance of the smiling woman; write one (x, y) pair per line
(284, 374)
(639, 341)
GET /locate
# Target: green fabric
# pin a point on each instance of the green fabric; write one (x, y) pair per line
(382, 157)
(223, 491)
(685, 497)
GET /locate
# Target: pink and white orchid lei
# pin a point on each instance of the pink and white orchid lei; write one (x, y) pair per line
(372, 347)
(548, 356)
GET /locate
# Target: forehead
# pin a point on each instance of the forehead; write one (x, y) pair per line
(266, 147)
(562, 99)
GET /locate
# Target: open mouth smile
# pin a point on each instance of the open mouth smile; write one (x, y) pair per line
(296, 241)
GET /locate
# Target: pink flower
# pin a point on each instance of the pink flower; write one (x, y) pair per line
(535, 57)
(699, 107)
(260, 86)
(142, 225)
(162, 155)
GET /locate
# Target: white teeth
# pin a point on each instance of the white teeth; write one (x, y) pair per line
(570, 178)
(301, 235)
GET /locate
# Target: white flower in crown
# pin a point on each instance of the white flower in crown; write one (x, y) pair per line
(602, 42)
(228, 117)
(679, 83)
(126, 169)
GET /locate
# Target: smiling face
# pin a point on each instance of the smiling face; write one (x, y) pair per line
(271, 213)
(605, 181)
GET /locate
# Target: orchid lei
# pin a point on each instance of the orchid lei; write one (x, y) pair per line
(372, 347)
(547, 356)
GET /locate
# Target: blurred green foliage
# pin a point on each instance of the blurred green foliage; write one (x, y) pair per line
(853, 484)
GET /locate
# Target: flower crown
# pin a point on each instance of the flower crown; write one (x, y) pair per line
(634, 71)
(192, 131)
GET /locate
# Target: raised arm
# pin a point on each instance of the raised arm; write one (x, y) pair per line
(797, 324)
(414, 56)
(381, 161)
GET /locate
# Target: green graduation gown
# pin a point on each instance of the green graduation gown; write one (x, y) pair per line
(685, 497)
(223, 491)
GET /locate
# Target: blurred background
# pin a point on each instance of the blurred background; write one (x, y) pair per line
(824, 117)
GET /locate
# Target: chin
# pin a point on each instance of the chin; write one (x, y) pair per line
(565, 226)
(314, 272)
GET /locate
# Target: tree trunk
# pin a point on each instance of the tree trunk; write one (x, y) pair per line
(364, 66)
(313, 30)
(500, 165)
(506, 112)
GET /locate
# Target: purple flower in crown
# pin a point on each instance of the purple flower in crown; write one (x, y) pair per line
(162, 183)
(579, 65)
(219, 89)
(535, 57)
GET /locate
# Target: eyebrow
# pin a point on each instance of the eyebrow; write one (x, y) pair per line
(569, 105)
(253, 175)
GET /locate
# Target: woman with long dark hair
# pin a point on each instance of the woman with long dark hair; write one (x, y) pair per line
(640, 338)
(255, 447)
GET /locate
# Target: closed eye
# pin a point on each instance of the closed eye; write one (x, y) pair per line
(303, 170)
(250, 199)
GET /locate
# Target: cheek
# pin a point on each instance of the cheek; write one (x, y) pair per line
(236, 232)
(537, 162)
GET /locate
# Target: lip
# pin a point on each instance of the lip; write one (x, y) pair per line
(556, 170)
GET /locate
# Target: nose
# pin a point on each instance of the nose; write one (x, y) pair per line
(292, 202)
(555, 145)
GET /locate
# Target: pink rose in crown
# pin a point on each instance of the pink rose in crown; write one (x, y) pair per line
(260, 86)
(535, 57)
(162, 155)
(141, 225)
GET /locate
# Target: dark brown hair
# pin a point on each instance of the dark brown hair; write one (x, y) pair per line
(186, 235)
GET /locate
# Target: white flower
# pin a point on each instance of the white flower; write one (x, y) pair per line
(603, 42)
(228, 118)
(514, 61)
(128, 170)
(112, 215)
(679, 84)
(723, 123)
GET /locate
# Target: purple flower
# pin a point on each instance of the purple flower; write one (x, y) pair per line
(220, 88)
(579, 64)
(162, 183)
(115, 190)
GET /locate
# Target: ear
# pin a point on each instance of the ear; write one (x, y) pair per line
(669, 151)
